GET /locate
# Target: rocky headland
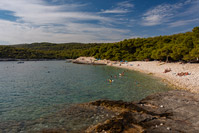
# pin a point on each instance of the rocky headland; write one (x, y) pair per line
(174, 111)
(89, 61)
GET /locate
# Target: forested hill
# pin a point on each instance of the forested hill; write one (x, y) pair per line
(55, 47)
(183, 46)
(45, 50)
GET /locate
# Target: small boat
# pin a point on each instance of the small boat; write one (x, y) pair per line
(20, 62)
(69, 60)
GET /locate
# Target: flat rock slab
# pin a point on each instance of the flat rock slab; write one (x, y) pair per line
(173, 111)
(182, 104)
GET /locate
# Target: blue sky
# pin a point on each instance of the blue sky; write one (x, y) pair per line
(59, 21)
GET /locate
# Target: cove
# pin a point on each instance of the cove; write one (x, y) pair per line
(36, 89)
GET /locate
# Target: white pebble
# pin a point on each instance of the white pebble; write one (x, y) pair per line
(168, 128)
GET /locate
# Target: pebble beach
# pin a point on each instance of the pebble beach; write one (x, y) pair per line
(180, 75)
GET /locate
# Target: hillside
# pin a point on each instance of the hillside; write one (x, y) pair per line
(44, 50)
(182, 46)
(54, 47)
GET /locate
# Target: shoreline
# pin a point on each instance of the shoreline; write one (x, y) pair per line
(12, 59)
(178, 75)
(186, 82)
(153, 75)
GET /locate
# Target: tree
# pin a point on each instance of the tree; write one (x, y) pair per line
(196, 31)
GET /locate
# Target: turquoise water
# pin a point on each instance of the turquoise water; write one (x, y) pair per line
(32, 89)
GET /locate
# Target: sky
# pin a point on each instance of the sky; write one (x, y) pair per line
(91, 21)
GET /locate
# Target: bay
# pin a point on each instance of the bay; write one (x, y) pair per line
(35, 89)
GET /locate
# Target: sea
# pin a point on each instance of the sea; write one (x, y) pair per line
(32, 90)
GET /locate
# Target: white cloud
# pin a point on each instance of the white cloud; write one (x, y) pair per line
(37, 21)
(164, 13)
(39, 12)
(159, 14)
(115, 11)
(183, 22)
(192, 10)
(125, 4)
(16, 33)
(121, 8)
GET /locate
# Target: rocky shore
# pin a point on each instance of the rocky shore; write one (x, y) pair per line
(89, 61)
(175, 111)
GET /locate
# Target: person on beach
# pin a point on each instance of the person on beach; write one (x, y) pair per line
(121, 74)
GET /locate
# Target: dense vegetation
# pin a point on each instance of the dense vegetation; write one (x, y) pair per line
(22, 53)
(183, 46)
(44, 51)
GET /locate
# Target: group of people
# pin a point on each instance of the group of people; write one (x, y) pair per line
(183, 74)
(111, 79)
(178, 74)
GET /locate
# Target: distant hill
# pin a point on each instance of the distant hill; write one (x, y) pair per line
(54, 46)
(45, 50)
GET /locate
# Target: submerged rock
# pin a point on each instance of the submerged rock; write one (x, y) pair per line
(174, 111)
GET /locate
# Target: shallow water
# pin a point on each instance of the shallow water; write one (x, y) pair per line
(36, 89)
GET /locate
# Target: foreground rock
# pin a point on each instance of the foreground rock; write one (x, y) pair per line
(174, 111)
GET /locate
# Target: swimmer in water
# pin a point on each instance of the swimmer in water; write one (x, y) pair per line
(110, 80)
